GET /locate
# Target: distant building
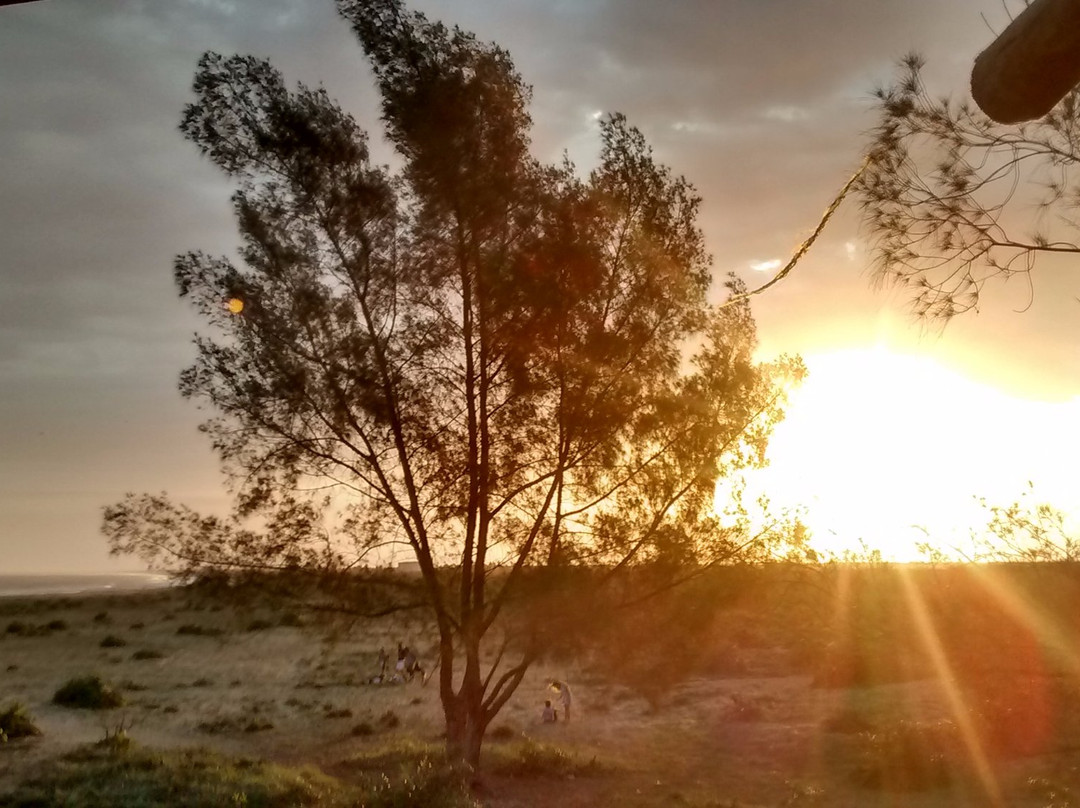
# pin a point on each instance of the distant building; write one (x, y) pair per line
(408, 567)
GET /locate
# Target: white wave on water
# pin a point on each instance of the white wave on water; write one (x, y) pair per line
(32, 585)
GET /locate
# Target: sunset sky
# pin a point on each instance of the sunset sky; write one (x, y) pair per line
(763, 104)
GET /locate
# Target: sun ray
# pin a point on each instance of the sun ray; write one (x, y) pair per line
(961, 714)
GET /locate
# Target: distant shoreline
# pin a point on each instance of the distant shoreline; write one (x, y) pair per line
(22, 586)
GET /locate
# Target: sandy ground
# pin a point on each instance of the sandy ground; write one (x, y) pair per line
(296, 694)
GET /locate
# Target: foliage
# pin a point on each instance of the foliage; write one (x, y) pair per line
(492, 362)
(947, 193)
(112, 641)
(87, 693)
(16, 722)
(1026, 530)
(146, 654)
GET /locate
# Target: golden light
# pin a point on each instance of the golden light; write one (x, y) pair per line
(885, 450)
(235, 305)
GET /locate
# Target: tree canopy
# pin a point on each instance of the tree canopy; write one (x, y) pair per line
(494, 362)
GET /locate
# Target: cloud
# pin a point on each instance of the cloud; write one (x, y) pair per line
(766, 266)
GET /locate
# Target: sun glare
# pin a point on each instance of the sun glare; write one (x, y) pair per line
(885, 450)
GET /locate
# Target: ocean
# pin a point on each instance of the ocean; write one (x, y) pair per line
(33, 585)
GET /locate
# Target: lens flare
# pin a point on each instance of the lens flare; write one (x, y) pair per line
(235, 305)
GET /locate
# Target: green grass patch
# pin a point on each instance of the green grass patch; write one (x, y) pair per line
(116, 772)
(107, 775)
(529, 758)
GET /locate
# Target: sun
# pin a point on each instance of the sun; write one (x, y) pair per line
(885, 450)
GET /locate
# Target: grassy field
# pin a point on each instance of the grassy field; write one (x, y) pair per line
(836, 687)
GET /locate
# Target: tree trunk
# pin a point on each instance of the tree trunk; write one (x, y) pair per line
(465, 733)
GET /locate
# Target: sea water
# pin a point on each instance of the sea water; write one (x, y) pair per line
(33, 585)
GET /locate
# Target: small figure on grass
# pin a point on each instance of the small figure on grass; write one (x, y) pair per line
(549, 715)
(413, 666)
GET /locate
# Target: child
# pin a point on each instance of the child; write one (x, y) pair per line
(549, 716)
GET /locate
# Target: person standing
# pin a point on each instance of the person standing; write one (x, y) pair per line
(562, 689)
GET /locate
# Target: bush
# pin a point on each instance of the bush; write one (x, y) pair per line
(147, 653)
(87, 693)
(16, 723)
(291, 620)
(56, 625)
(503, 732)
(112, 641)
(363, 729)
(102, 617)
(389, 719)
(259, 625)
(199, 631)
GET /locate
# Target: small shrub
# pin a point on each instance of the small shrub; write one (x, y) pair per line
(147, 653)
(290, 620)
(259, 625)
(203, 682)
(87, 693)
(217, 726)
(102, 617)
(56, 625)
(18, 628)
(199, 631)
(258, 725)
(389, 720)
(16, 723)
(112, 641)
(503, 732)
(137, 626)
(363, 729)
(135, 687)
(344, 712)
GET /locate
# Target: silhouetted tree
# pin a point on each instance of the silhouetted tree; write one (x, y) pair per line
(937, 190)
(498, 364)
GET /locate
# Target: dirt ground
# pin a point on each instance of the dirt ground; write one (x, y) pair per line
(288, 688)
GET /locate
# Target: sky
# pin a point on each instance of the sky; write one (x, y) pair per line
(763, 104)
